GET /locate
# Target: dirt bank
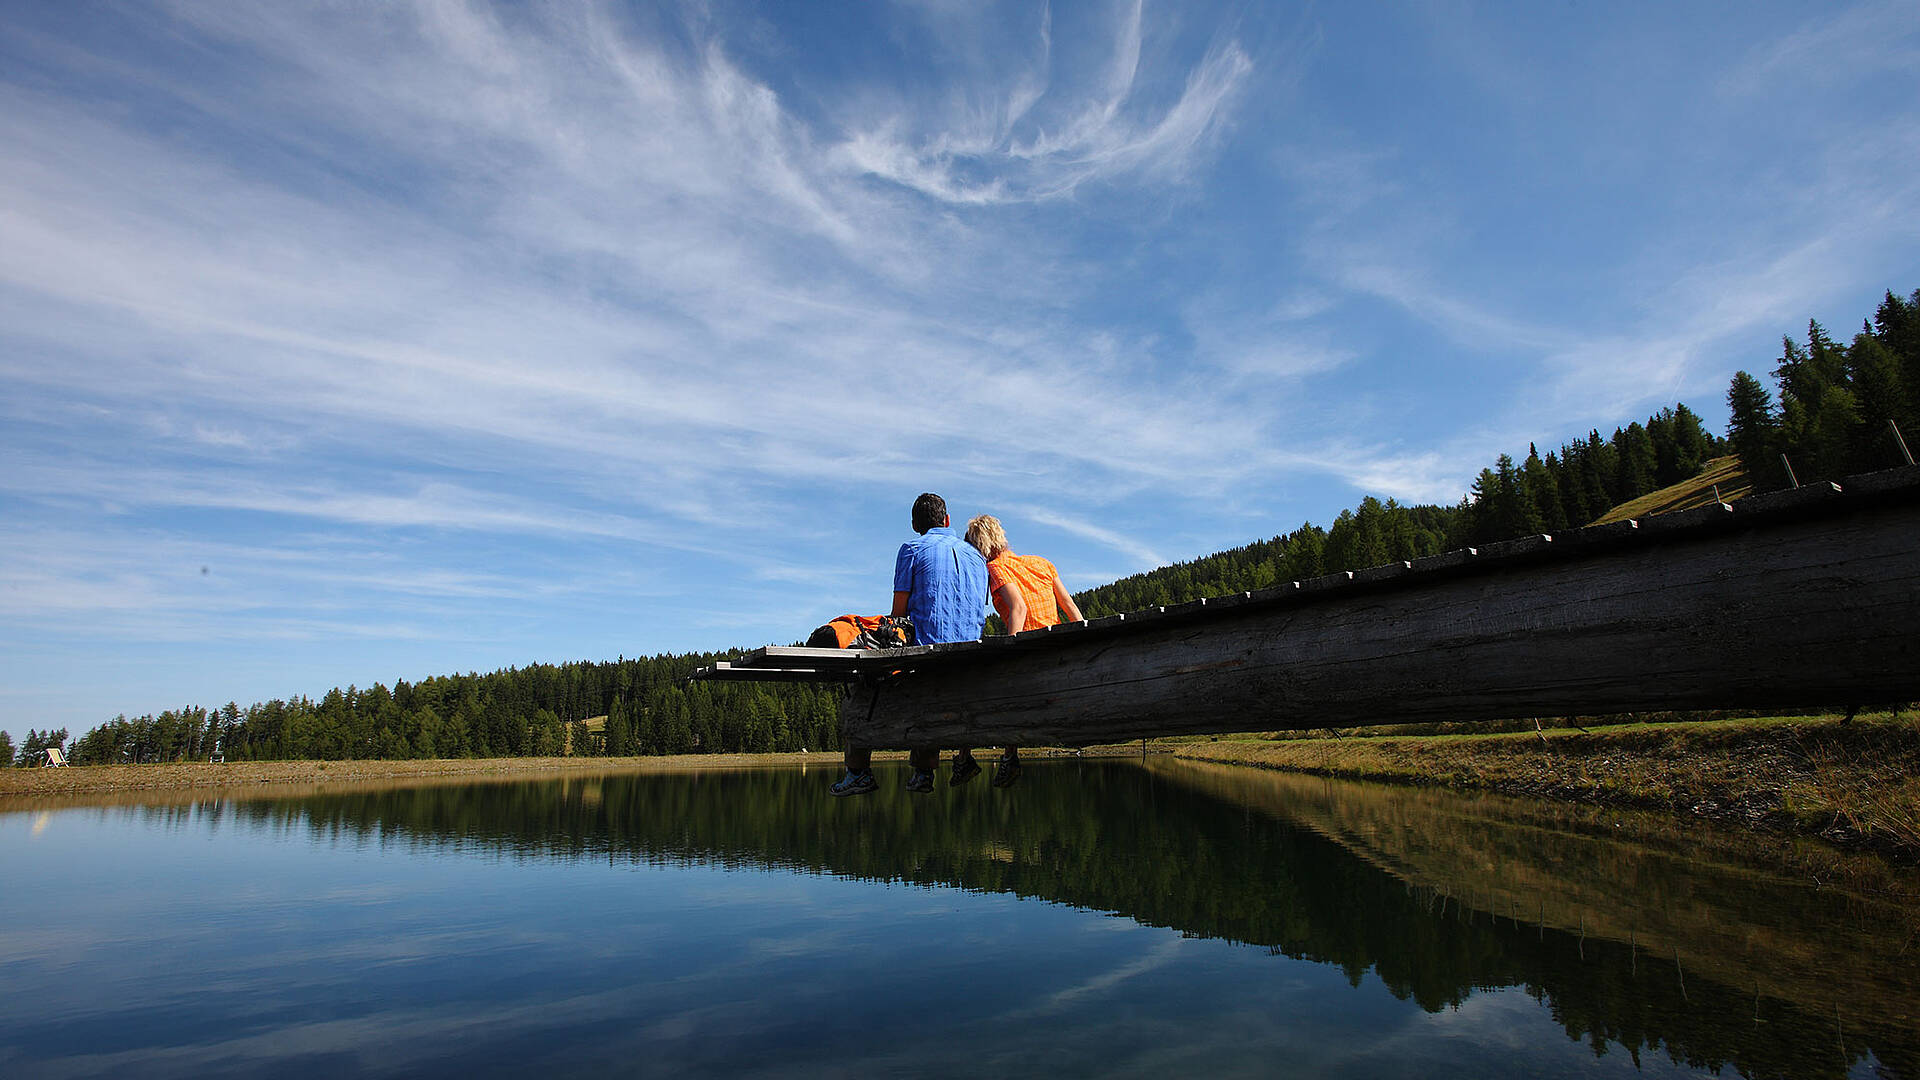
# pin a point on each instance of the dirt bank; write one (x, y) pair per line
(1856, 785)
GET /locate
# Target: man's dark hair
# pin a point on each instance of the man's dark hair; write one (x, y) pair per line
(929, 511)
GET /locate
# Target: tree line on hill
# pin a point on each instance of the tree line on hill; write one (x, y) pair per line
(536, 711)
(1835, 402)
(1830, 420)
(1564, 489)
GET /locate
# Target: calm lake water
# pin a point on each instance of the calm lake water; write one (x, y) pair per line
(1102, 918)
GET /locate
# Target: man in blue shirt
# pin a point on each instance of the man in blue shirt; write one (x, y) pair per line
(940, 581)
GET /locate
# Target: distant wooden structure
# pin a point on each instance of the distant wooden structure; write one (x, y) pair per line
(1808, 597)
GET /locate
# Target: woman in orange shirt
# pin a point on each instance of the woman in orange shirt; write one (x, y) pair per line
(1027, 592)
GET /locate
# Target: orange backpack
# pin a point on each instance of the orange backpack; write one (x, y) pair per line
(864, 632)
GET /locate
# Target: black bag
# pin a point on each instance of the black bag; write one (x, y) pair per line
(894, 632)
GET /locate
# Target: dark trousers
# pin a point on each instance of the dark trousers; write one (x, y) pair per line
(927, 758)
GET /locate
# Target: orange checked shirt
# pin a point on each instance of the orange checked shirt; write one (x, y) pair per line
(1034, 577)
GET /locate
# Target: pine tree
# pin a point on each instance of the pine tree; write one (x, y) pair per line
(1306, 553)
(1659, 429)
(1680, 445)
(1601, 463)
(619, 734)
(1356, 540)
(1817, 409)
(1753, 433)
(1544, 493)
(1874, 372)
(1483, 501)
(1896, 323)
(1635, 463)
(1693, 443)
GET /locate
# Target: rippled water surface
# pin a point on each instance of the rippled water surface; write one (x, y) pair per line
(1102, 918)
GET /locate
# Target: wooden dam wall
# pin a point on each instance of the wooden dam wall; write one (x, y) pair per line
(1802, 598)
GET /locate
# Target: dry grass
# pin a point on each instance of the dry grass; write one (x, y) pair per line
(202, 776)
(1855, 784)
(1723, 473)
(44, 788)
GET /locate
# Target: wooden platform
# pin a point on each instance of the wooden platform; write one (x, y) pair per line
(1800, 598)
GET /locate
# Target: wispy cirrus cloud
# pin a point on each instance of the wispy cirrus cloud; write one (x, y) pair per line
(1105, 537)
(1871, 37)
(435, 328)
(1046, 140)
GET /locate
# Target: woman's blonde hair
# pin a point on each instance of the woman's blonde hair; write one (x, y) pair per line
(987, 537)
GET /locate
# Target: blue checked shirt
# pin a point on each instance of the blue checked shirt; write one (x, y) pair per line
(945, 580)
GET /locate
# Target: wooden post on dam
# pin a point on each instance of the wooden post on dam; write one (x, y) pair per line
(1809, 597)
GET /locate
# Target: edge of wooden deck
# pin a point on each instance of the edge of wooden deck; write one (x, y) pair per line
(1814, 500)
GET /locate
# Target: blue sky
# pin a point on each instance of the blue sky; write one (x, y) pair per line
(346, 343)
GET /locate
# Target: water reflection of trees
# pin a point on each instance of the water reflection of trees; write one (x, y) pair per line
(1716, 965)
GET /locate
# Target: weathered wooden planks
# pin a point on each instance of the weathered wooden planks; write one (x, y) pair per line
(1809, 597)
(1797, 610)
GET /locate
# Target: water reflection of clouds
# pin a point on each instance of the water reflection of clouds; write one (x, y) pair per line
(1156, 956)
(397, 1040)
(1117, 1023)
(1504, 1032)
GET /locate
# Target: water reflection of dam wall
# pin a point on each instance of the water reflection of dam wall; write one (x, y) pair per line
(1658, 883)
(1635, 943)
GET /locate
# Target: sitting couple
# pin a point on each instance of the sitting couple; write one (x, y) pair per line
(944, 584)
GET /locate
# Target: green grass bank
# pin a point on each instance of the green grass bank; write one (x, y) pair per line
(1853, 784)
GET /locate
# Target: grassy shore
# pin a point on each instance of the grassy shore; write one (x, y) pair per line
(197, 775)
(41, 788)
(1854, 784)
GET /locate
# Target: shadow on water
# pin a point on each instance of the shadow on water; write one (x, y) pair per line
(1637, 933)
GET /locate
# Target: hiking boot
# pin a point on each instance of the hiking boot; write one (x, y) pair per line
(854, 783)
(1005, 773)
(921, 782)
(964, 769)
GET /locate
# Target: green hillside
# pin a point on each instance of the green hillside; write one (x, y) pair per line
(1722, 480)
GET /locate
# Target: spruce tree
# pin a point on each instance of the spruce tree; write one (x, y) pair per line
(1544, 492)
(1602, 475)
(1875, 375)
(1483, 502)
(619, 734)
(1514, 514)
(1818, 411)
(1753, 433)
(1897, 324)
(1694, 444)
(1306, 550)
(1635, 463)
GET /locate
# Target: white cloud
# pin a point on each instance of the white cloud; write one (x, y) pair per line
(724, 361)
(1145, 558)
(1099, 135)
(1834, 45)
